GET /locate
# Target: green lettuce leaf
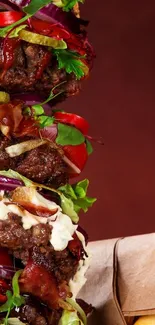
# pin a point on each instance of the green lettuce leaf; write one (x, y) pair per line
(78, 309)
(70, 318)
(35, 5)
(68, 208)
(77, 193)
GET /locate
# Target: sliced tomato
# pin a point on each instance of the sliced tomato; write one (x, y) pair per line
(77, 155)
(45, 28)
(5, 258)
(72, 119)
(9, 17)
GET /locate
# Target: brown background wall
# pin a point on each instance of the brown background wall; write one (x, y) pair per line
(119, 103)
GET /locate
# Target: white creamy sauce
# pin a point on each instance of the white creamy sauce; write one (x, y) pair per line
(62, 231)
(79, 278)
(62, 226)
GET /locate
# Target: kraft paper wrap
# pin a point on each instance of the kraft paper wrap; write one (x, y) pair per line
(121, 280)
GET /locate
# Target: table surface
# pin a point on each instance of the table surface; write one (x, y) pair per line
(119, 102)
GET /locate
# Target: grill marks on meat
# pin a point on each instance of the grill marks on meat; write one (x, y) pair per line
(35, 69)
(42, 165)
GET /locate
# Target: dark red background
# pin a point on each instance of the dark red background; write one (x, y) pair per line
(119, 103)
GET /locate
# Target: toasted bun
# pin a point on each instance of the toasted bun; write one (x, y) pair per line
(146, 320)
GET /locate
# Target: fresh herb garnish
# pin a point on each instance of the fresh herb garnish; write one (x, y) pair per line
(89, 147)
(71, 62)
(14, 299)
(35, 5)
(78, 194)
(69, 135)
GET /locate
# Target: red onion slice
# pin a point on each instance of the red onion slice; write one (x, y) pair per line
(9, 184)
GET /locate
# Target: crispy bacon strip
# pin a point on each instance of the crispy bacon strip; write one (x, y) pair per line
(76, 248)
(36, 280)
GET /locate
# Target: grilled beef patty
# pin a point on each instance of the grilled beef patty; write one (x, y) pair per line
(34, 243)
(34, 69)
(42, 165)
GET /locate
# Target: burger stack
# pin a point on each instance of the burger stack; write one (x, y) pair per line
(44, 57)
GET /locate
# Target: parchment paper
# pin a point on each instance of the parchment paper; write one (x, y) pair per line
(121, 280)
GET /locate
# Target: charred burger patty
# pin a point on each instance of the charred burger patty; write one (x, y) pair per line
(35, 69)
(43, 164)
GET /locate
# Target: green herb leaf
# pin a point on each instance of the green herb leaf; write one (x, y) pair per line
(15, 285)
(6, 306)
(4, 31)
(35, 5)
(89, 147)
(45, 121)
(78, 194)
(69, 135)
(70, 61)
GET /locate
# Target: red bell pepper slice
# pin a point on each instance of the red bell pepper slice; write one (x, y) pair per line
(53, 30)
(76, 154)
(72, 119)
(9, 17)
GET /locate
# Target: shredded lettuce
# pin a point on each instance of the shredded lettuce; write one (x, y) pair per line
(70, 318)
(78, 194)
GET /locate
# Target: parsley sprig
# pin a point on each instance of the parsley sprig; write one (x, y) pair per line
(71, 62)
(14, 299)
